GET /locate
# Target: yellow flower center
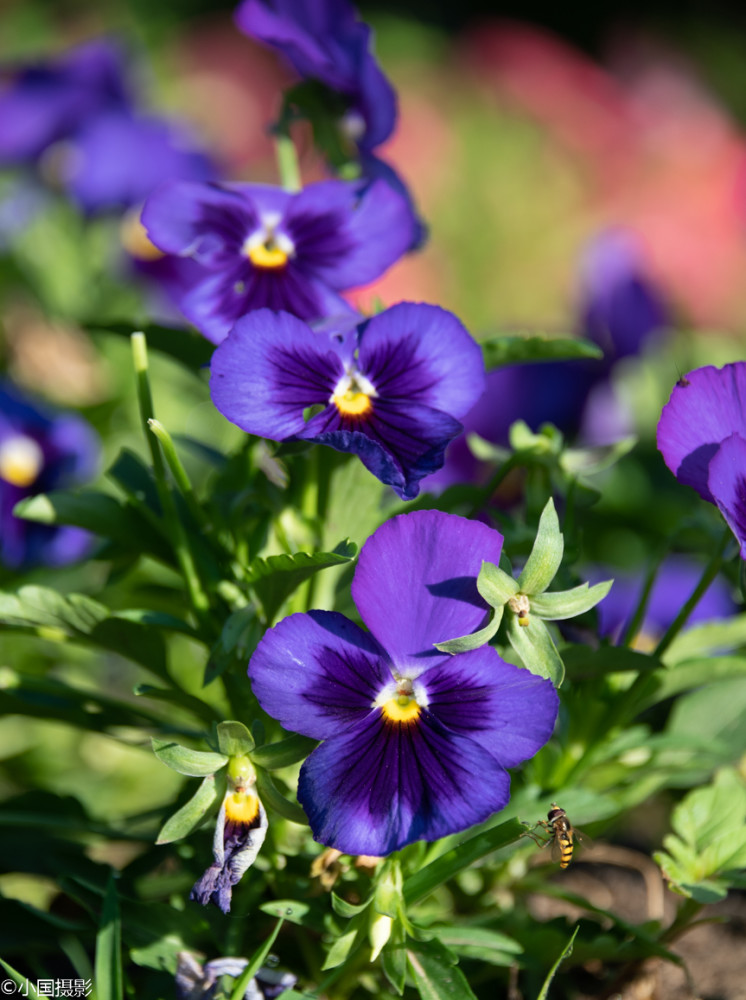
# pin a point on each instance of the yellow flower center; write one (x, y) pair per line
(401, 708)
(267, 255)
(21, 460)
(352, 403)
(241, 807)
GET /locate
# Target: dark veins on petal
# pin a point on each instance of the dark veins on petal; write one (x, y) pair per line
(320, 240)
(397, 371)
(348, 683)
(301, 374)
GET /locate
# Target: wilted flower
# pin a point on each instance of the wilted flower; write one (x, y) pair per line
(415, 742)
(197, 982)
(263, 247)
(239, 834)
(323, 40)
(40, 451)
(391, 390)
(702, 437)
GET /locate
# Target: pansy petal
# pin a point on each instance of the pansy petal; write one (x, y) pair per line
(727, 484)
(376, 787)
(705, 408)
(416, 581)
(399, 444)
(424, 355)
(201, 220)
(268, 370)
(347, 238)
(318, 673)
(508, 710)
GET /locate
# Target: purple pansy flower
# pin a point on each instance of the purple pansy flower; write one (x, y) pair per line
(702, 437)
(44, 103)
(323, 40)
(197, 982)
(264, 247)
(40, 451)
(118, 159)
(392, 389)
(415, 743)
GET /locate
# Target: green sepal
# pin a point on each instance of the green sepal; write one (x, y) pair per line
(272, 756)
(234, 739)
(546, 554)
(589, 461)
(486, 451)
(348, 910)
(569, 603)
(195, 763)
(273, 799)
(547, 442)
(495, 585)
(512, 350)
(536, 648)
(476, 639)
(387, 898)
(191, 813)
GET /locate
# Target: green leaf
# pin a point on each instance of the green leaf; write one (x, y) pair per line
(348, 910)
(566, 952)
(562, 604)
(512, 350)
(394, 958)
(340, 949)
(476, 639)
(448, 865)
(195, 763)
(536, 648)
(546, 443)
(289, 909)
(435, 974)
(108, 961)
(241, 632)
(696, 673)
(191, 813)
(255, 962)
(234, 739)
(273, 799)
(275, 578)
(495, 585)
(704, 640)
(590, 461)
(480, 944)
(273, 756)
(546, 554)
(25, 987)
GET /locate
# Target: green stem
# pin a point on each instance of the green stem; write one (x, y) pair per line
(178, 472)
(710, 572)
(511, 463)
(287, 163)
(637, 619)
(197, 596)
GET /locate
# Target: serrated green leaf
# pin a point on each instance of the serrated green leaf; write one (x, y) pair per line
(273, 756)
(536, 648)
(546, 554)
(435, 973)
(561, 604)
(108, 960)
(495, 585)
(466, 642)
(234, 739)
(255, 962)
(273, 799)
(512, 350)
(191, 813)
(195, 763)
(275, 578)
(566, 952)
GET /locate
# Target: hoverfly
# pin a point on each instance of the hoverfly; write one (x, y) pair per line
(561, 834)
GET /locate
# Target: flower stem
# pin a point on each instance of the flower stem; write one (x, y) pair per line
(287, 163)
(710, 572)
(178, 471)
(197, 596)
(635, 622)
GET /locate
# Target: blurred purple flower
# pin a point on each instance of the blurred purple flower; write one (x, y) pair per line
(415, 742)
(263, 247)
(391, 391)
(43, 103)
(40, 451)
(673, 586)
(197, 982)
(702, 437)
(323, 40)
